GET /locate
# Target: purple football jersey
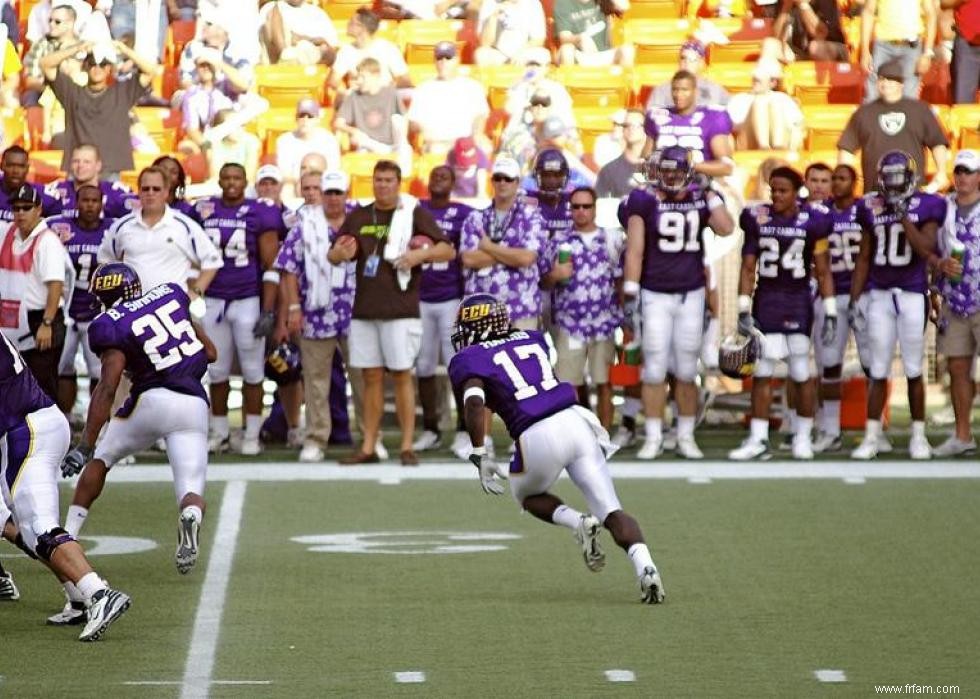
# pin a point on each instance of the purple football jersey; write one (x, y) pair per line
(235, 230)
(783, 247)
(49, 205)
(155, 333)
(557, 217)
(673, 248)
(518, 379)
(83, 247)
(20, 390)
(117, 199)
(894, 264)
(845, 242)
(694, 131)
(188, 209)
(443, 281)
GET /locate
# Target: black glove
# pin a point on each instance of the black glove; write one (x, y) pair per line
(829, 330)
(75, 460)
(856, 318)
(265, 324)
(745, 324)
(900, 207)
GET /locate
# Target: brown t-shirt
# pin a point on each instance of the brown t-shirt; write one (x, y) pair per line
(380, 297)
(878, 127)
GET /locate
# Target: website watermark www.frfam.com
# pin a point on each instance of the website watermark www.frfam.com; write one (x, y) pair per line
(917, 689)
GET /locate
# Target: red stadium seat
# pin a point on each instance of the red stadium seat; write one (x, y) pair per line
(825, 82)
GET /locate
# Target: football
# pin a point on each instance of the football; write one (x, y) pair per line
(346, 238)
(419, 242)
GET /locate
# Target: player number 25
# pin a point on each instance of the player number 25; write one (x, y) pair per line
(524, 352)
(162, 327)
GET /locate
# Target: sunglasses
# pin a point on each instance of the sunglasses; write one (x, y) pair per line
(444, 57)
(151, 188)
(504, 178)
(963, 171)
(334, 192)
(21, 208)
(100, 64)
(541, 102)
(578, 207)
(307, 116)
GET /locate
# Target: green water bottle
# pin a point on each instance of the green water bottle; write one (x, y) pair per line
(957, 253)
(564, 255)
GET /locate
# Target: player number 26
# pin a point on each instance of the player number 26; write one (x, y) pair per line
(161, 328)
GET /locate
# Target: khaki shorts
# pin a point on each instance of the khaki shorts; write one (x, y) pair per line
(573, 355)
(391, 344)
(962, 335)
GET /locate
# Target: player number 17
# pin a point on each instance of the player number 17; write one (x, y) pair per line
(524, 352)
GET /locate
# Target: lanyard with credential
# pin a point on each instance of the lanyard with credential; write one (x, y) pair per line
(373, 261)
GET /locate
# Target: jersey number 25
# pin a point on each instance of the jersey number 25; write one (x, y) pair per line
(160, 329)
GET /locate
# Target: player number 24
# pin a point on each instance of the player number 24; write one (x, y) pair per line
(524, 352)
(162, 327)
(770, 260)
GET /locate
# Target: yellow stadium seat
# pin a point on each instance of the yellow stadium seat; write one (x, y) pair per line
(749, 161)
(499, 79)
(825, 123)
(656, 41)
(648, 77)
(736, 51)
(592, 122)
(964, 123)
(735, 77)
(162, 125)
(826, 83)
(285, 85)
(656, 9)
(418, 38)
(14, 128)
(46, 166)
(387, 29)
(605, 86)
(341, 10)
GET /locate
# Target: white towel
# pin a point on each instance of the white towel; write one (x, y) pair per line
(316, 245)
(399, 233)
(607, 445)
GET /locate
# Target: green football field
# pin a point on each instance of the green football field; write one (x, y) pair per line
(822, 580)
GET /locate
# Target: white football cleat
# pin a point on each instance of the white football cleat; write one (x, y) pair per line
(461, 446)
(955, 447)
(218, 443)
(867, 449)
(187, 533)
(884, 444)
(670, 440)
(8, 588)
(251, 446)
(651, 449)
(624, 437)
(310, 453)
(687, 448)
(827, 442)
(802, 449)
(427, 440)
(651, 587)
(107, 606)
(919, 448)
(73, 614)
(751, 449)
(587, 535)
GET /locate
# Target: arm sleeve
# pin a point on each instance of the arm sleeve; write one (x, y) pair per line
(933, 133)
(50, 258)
(850, 139)
(208, 256)
(102, 336)
(424, 224)
(108, 249)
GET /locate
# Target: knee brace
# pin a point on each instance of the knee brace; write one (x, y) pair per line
(50, 540)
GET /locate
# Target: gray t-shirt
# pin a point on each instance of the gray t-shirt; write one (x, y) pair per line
(615, 178)
(372, 113)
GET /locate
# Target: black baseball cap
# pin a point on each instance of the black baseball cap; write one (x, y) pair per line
(26, 193)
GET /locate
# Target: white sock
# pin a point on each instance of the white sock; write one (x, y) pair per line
(685, 426)
(631, 406)
(918, 429)
(195, 512)
(872, 429)
(830, 418)
(640, 555)
(89, 585)
(219, 425)
(72, 592)
(759, 429)
(804, 428)
(654, 428)
(253, 423)
(75, 519)
(566, 516)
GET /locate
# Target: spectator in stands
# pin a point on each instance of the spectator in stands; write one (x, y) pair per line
(966, 49)
(15, 164)
(146, 22)
(201, 102)
(86, 170)
(372, 115)
(308, 137)
(691, 59)
(894, 122)
(319, 297)
(554, 133)
(60, 33)
(36, 278)
(312, 162)
(243, 28)
(386, 329)
(441, 127)
(609, 145)
(904, 32)
(89, 25)
(766, 118)
(583, 33)
(806, 30)
(469, 164)
(361, 28)
(233, 73)
(294, 31)
(619, 177)
(537, 82)
(511, 31)
(182, 10)
(817, 180)
(230, 146)
(99, 112)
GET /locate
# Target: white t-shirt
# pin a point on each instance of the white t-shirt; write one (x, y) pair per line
(439, 123)
(520, 21)
(739, 105)
(386, 53)
(305, 19)
(290, 150)
(50, 265)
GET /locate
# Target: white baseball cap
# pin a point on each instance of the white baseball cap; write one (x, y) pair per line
(334, 179)
(506, 166)
(967, 158)
(268, 172)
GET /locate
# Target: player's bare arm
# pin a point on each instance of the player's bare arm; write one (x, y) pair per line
(720, 221)
(209, 349)
(862, 266)
(473, 411)
(100, 405)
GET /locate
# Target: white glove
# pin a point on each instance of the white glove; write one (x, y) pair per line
(198, 308)
(490, 472)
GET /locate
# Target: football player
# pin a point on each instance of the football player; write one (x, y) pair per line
(81, 233)
(508, 371)
(665, 276)
(784, 240)
(551, 177)
(35, 436)
(240, 308)
(153, 338)
(86, 169)
(899, 233)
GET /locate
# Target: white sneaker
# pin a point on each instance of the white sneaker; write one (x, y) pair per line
(187, 531)
(427, 440)
(73, 614)
(687, 448)
(867, 449)
(161, 445)
(461, 446)
(919, 448)
(802, 449)
(751, 449)
(651, 587)
(107, 606)
(587, 535)
(624, 437)
(884, 444)
(310, 453)
(251, 446)
(218, 443)
(955, 447)
(651, 449)
(295, 437)
(8, 588)
(670, 440)
(827, 442)
(379, 449)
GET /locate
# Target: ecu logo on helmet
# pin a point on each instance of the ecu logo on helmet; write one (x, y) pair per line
(480, 317)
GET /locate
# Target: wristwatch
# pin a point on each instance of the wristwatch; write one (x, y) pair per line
(47, 322)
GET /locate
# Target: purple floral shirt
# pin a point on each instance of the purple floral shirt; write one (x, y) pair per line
(322, 323)
(964, 297)
(522, 227)
(586, 307)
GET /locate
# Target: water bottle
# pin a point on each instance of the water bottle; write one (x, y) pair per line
(564, 255)
(957, 253)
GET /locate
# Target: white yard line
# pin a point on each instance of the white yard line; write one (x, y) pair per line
(410, 677)
(830, 676)
(620, 675)
(207, 622)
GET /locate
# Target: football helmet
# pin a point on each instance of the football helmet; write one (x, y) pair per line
(672, 169)
(549, 161)
(738, 354)
(897, 176)
(282, 364)
(113, 282)
(480, 317)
